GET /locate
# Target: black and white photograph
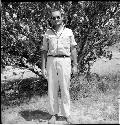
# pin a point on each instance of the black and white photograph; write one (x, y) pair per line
(60, 62)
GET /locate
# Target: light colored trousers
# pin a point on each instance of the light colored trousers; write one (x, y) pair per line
(59, 72)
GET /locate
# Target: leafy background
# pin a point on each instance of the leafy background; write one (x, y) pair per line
(95, 25)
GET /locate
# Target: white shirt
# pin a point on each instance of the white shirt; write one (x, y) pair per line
(58, 43)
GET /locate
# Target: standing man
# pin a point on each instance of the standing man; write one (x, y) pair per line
(59, 47)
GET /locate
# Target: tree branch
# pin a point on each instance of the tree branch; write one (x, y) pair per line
(31, 67)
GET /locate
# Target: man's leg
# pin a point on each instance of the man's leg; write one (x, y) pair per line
(65, 74)
(52, 86)
(64, 81)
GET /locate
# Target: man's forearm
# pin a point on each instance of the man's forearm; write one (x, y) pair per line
(44, 58)
(74, 55)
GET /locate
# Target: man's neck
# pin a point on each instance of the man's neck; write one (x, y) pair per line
(58, 28)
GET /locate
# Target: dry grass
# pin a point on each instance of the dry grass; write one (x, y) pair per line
(89, 102)
(97, 98)
(82, 86)
(97, 109)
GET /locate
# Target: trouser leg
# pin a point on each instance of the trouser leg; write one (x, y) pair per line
(64, 81)
(52, 86)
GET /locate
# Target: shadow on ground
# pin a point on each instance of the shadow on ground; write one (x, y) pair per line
(35, 115)
(38, 115)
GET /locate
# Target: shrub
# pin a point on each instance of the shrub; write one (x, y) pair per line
(20, 90)
(82, 86)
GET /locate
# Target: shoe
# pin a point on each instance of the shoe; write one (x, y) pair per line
(52, 120)
(69, 120)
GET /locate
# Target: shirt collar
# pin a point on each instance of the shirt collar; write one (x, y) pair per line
(63, 27)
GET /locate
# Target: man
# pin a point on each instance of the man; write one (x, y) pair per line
(59, 47)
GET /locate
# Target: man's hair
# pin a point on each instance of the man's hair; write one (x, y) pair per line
(53, 10)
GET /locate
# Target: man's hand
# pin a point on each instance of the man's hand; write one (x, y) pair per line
(44, 72)
(74, 70)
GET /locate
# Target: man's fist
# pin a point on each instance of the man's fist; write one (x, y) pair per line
(44, 72)
(74, 70)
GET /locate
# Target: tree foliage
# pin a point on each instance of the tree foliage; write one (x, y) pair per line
(95, 25)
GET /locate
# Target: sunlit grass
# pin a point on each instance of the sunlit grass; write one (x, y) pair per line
(93, 98)
(97, 97)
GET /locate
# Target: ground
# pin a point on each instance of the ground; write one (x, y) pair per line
(97, 109)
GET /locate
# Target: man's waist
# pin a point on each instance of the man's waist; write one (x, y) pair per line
(59, 55)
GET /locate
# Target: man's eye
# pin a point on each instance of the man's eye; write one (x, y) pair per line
(57, 17)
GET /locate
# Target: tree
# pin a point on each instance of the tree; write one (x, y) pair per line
(94, 24)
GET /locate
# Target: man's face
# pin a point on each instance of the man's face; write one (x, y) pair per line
(56, 18)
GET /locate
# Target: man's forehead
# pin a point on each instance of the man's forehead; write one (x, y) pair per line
(56, 13)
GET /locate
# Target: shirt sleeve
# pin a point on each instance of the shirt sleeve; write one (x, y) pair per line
(45, 43)
(72, 40)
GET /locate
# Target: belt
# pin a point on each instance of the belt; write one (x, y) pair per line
(59, 55)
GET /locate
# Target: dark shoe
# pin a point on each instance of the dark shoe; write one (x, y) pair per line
(52, 120)
(69, 120)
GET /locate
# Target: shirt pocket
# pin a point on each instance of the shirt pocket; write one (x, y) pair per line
(52, 41)
(65, 41)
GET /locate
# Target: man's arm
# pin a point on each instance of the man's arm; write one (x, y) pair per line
(44, 59)
(74, 58)
(44, 52)
(74, 55)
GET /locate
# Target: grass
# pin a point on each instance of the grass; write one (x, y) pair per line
(93, 99)
(19, 91)
(97, 97)
(82, 86)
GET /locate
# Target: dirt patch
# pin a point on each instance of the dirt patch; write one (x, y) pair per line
(105, 66)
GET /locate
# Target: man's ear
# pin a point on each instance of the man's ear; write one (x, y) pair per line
(49, 23)
(62, 16)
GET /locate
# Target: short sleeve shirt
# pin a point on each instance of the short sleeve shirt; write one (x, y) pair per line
(58, 43)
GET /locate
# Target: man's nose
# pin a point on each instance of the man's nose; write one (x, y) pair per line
(57, 19)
